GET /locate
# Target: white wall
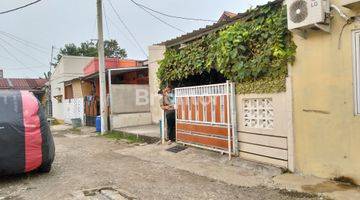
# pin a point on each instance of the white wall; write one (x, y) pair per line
(130, 105)
(73, 108)
(129, 98)
(128, 120)
(69, 67)
(262, 141)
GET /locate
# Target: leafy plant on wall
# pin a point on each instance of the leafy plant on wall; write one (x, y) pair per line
(253, 52)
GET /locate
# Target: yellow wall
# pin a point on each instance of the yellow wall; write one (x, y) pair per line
(76, 86)
(327, 133)
(87, 89)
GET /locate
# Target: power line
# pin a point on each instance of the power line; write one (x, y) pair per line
(21, 51)
(24, 42)
(106, 22)
(22, 68)
(127, 28)
(161, 20)
(14, 57)
(126, 37)
(172, 16)
(11, 55)
(7, 58)
(21, 7)
(17, 68)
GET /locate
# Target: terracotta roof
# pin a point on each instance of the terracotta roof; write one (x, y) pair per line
(22, 84)
(4, 84)
(210, 28)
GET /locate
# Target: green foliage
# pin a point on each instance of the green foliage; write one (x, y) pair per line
(264, 85)
(190, 60)
(112, 50)
(256, 48)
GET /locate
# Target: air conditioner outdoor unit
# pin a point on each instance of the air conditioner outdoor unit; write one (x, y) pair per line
(305, 14)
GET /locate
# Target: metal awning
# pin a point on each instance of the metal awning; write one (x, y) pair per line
(116, 71)
(126, 70)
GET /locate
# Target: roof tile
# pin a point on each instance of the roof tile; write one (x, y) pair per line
(22, 84)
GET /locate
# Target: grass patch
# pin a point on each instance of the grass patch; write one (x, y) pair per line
(116, 135)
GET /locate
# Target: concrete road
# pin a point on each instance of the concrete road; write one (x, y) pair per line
(87, 167)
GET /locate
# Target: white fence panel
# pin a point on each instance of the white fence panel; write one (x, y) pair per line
(73, 108)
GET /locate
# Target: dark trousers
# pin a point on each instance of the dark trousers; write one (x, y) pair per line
(170, 119)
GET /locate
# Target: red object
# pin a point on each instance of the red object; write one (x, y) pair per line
(33, 139)
(110, 63)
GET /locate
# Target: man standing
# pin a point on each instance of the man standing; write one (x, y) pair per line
(167, 103)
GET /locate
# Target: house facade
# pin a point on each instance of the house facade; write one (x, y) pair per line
(76, 91)
(124, 79)
(313, 126)
(68, 68)
(325, 79)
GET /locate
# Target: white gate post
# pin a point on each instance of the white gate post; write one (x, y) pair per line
(228, 117)
(234, 119)
(163, 118)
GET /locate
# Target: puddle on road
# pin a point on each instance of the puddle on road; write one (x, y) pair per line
(327, 187)
(107, 193)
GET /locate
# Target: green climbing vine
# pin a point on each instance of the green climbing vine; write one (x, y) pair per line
(253, 52)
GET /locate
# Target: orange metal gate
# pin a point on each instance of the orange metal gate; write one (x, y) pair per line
(205, 117)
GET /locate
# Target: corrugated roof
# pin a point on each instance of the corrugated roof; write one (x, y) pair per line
(209, 29)
(227, 16)
(4, 84)
(22, 84)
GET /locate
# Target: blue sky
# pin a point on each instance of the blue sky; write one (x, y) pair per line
(57, 22)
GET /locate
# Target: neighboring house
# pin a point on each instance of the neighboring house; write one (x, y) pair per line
(68, 68)
(124, 79)
(32, 85)
(73, 105)
(76, 91)
(313, 127)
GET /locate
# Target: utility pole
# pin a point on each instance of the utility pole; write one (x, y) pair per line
(102, 75)
(49, 103)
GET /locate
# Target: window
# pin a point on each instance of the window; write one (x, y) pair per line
(356, 55)
(69, 94)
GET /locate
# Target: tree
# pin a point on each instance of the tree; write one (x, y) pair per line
(88, 48)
